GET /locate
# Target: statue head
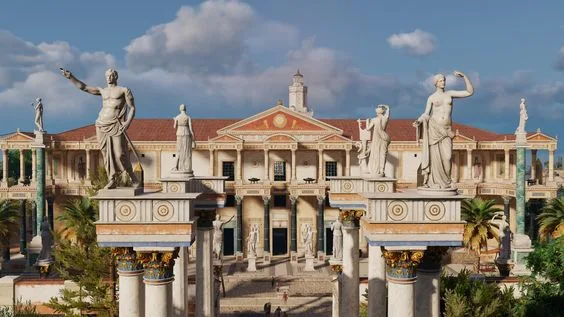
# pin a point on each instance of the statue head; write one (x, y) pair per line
(439, 80)
(37, 99)
(217, 217)
(380, 110)
(111, 76)
(182, 107)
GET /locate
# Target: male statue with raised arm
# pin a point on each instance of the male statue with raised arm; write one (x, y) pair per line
(118, 110)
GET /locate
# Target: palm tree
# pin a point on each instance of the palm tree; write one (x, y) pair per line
(551, 219)
(478, 214)
(78, 221)
(9, 215)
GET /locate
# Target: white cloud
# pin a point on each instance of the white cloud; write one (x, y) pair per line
(417, 42)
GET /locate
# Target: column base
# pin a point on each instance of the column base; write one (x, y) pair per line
(294, 257)
(309, 267)
(252, 264)
(266, 257)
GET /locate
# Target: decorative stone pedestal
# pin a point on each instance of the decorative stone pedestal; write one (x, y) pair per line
(519, 251)
(309, 267)
(251, 263)
(294, 257)
(266, 258)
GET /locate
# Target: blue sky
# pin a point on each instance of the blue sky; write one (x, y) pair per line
(235, 58)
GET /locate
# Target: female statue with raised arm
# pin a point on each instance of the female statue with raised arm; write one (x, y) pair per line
(438, 134)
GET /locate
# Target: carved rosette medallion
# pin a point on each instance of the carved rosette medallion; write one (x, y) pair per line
(159, 266)
(401, 265)
(381, 188)
(397, 210)
(126, 260)
(348, 186)
(280, 121)
(434, 211)
(163, 210)
(174, 188)
(125, 211)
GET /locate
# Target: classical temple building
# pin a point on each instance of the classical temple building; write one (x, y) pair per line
(277, 164)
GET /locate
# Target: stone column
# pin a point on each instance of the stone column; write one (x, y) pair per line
(293, 224)
(551, 165)
(320, 178)
(266, 166)
(376, 282)
(131, 288)
(22, 166)
(533, 164)
(347, 162)
(294, 176)
(33, 220)
(212, 162)
(401, 268)
(88, 165)
(337, 290)
(5, 167)
(50, 211)
(180, 284)
(427, 289)
(204, 275)
(505, 252)
(239, 242)
(350, 303)
(158, 165)
(456, 176)
(33, 164)
(506, 166)
(320, 224)
(266, 246)
(158, 279)
(468, 163)
(239, 172)
(52, 166)
(23, 228)
(40, 187)
(520, 190)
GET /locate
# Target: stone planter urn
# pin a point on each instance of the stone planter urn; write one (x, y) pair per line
(504, 266)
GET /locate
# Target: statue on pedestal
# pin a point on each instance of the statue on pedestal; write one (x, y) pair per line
(380, 141)
(38, 115)
(252, 240)
(115, 117)
(363, 150)
(522, 117)
(46, 244)
(308, 240)
(337, 239)
(218, 235)
(184, 141)
(437, 132)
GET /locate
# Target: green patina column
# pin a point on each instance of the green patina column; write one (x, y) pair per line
(520, 190)
(40, 187)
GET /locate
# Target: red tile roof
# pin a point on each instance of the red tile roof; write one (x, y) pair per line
(205, 129)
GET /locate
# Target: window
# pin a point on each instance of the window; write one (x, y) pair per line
(230, 201)
(229, 170)
(279, 200)
(280, 171)
(330, 169)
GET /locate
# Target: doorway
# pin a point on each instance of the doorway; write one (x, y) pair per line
(328, 241)
(279, 241)
(228, 241)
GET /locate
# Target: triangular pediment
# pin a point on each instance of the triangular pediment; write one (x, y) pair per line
(539, 136)
(462, 138)
(17, 137)
(226, 138)
(335, 138)
(279, 119)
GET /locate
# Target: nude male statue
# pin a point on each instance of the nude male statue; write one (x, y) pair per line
(218, 235)
(118, 110)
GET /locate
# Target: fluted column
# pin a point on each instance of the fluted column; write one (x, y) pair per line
(5, 167)
(533, 164)
(320, 177)
(239, 243)
(376, 282)
(23, 228)
(320, 224)
(266, 202)
(158, 277)
(204, 275)
(401, 272)
(293, 224)
(294, 176)
(347, 162)
(212, 162)
(468, 163)
(427, 289)
(506, 166)
(350, 302)
(22, 166)
(266, 166)
(131, 288)
(88, 167)
(239, 172)
(551, 165)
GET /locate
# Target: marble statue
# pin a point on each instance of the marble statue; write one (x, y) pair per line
(38, 115)
(337, 239)
(218, 235)
(184, 141)
(502, 224)
(308, 240)
(46, 243)
(116, 115)
(252, 240)
(522, 117)
(363, 150)
(438, 134)
(380, 141)
(477, 168)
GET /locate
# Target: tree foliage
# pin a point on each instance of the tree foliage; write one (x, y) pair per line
(478, 214)
(551, 219)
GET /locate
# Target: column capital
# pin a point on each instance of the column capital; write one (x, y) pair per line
(238, 200)
(127, 260)
(337, 268)
(401, 265)
(266, 199)
(293, 199)
(350, 218)
(320, 199)
(158, 265)
(506, 199)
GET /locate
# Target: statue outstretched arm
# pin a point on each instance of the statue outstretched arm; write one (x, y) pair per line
(131, 108)
(175, 124)
(79, 84)
(229, 219)
(462, 93)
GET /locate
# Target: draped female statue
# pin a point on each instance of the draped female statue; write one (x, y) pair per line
(380, 141)
(438, 134)
(184, 141)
